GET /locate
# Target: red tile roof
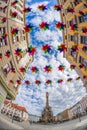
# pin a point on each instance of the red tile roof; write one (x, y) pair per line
(20, 108)
(6, 102)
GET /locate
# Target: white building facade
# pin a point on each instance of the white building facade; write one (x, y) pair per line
(34, 118)
(12, 109)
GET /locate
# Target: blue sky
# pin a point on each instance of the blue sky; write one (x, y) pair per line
(61, 96)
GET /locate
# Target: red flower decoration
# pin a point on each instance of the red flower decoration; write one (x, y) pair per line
(48, 68)
(14, 2)
(72, 66)
(71, 10)
(14, 31)
(13, 70)
(3, 20)
(74, 27)
(60, 25)
(31, 50)
(23, 70)
(84, 48)
(8, 54)
(14, 14)
(85, 76)
(49, 82)
(61, 67)
(27, 82)
(11, 81)
(26, 10)
(42, 7)
(18, 82)
(74, 48)
(69, 79)
(62, 48)
(46, 48)
(28, 28)
(18, 52)
(60, 81)
(4, 36)
(44, 25)
(4, 8)
(0, 55)
(34, 69)
(84, 30)
(81, 65)
(38, 82)
(58, 7)
(78, 78)
(81, 12)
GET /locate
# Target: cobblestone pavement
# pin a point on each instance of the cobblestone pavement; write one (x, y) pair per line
(6, 124)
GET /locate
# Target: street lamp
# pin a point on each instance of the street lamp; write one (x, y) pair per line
(78, 112)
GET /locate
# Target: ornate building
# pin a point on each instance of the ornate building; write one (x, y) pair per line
(79, 109)
(11, 109)
(12, 38)
(74, 16)
(47, 114)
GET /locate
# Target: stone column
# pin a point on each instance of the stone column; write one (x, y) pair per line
(47, 99)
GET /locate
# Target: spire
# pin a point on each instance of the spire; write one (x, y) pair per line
(47, 99)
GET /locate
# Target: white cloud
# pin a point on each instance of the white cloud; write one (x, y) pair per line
(35, 6)
(60, 94)
(33, 96)
(49, 16)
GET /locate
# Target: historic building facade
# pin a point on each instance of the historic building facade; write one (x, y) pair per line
(11, 109)
(47, 114)
(79, 109)
(34, 118)
(13, 38)
(74, 16)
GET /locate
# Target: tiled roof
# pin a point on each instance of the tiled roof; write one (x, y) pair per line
(6, 102)
(20, 108)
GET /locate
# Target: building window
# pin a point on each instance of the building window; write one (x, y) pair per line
(84, 61)
(13, 39)
(2, 30)
(83, 18)
(24, 37)
(11, 64)
(83, 39)
(71, 22)
(18, 58)
(80, 59)
(16, 86)
(17, 39)
(23, 31)
(74, 55)
(72, 38)
(76, 2)
(4, 1)
(3, 42)
(6, 69)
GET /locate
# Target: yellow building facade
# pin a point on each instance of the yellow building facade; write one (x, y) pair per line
(77, 15)
(15, 19)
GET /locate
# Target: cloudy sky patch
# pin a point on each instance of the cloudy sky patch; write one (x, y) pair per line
(61, 96)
